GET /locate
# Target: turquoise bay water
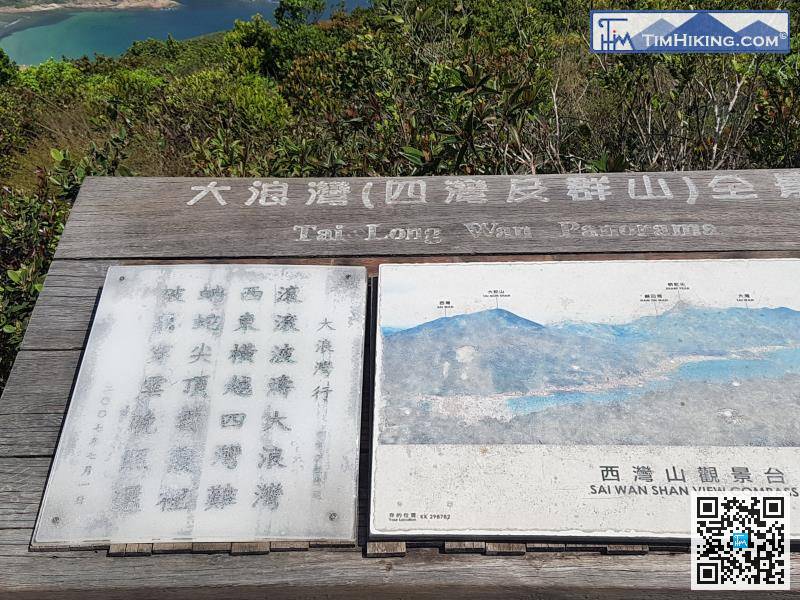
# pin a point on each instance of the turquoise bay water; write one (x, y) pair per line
(771, 365)
(34, 38)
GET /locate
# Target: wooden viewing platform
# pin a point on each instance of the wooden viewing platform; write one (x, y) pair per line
(162, 221)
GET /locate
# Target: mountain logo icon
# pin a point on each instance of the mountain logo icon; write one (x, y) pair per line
(746, 31)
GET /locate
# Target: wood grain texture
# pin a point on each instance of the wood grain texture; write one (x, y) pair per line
(385, 549)
(544, 547)
(149, 217)
(29, 434)
(464, 547)
(288, 546)
(21, 488)
(172, 548)
(72, 315)
(40, 383)
(138, 549)
(34, 400)
(504, 549)
(242, 548)
(584, 547)
(679, 548)
(422, 573)
(211, 547)
(618, 549)
(333, 545)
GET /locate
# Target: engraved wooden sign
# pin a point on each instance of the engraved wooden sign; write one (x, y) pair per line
(703, 210)
(329, 221)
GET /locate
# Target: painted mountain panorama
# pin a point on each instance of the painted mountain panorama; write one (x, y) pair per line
(689, 376)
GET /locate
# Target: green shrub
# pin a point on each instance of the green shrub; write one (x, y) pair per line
(297, 12)
(12, 135)
(8, 69)
(56, 81)
(214, 113)
(257, 46)
(134, 88)
(30, 225)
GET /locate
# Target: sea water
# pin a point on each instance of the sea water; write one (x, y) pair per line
(32, 38)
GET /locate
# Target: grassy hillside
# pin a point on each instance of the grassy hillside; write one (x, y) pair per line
(430, 86)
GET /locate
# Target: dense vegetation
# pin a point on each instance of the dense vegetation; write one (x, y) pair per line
(432, 86)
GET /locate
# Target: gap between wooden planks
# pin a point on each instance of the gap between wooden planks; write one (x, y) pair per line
(373, 549)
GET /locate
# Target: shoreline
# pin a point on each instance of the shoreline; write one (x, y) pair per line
(474, 408)
(92, 5)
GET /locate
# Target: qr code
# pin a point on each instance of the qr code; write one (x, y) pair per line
(740, 540)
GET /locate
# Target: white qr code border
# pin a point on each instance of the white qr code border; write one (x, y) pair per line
(712, 533)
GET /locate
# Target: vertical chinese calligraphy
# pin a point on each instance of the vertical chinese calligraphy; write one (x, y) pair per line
(212, 406)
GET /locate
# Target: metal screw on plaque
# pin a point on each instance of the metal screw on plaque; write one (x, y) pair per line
(122, 277)
(333, 516)
(55, 520)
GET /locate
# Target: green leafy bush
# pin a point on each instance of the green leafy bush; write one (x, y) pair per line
(136, 89)
(223, 119)
(56, 80)
(401, 87)
(8, 70)
(30, 225)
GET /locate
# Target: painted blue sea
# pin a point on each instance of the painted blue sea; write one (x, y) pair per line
(691, 375)
(32, 38)
(731, 371)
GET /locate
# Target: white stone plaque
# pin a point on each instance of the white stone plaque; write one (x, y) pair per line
(213, 403)
(582, 399)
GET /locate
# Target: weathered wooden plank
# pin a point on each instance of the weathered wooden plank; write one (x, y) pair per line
(703, 210)
(679, 548)
(49, 547)
(68, 298)
(14, 537)
(59, 323)
(29, 434)
(464, 547)
(422, 573)
(288, 546)
(621, 549)
(211, 547)
(242, 548)
(584, 547)
(337, 546)
(21, 488)
(544, 547)
(33, 403)
(504, 549)
(75, 278)
(172, 548)
(138, 549)
(39, 383)
(385, 549)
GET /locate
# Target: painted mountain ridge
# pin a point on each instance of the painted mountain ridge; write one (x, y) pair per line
(498, 352)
